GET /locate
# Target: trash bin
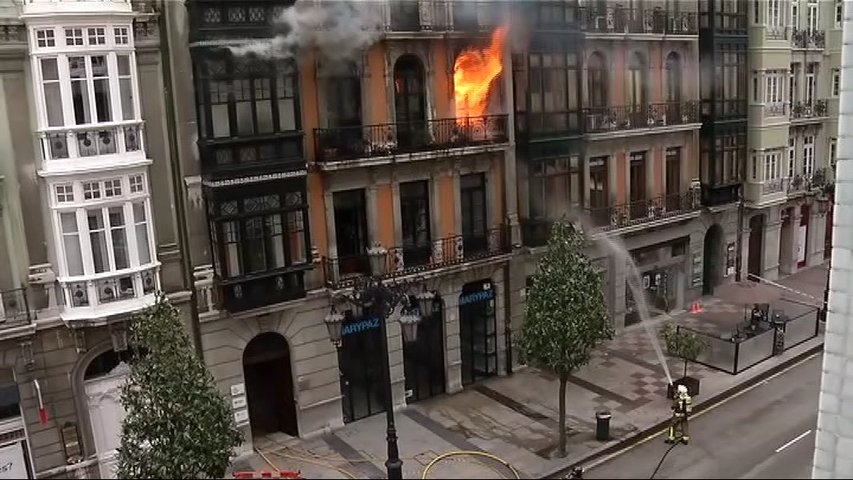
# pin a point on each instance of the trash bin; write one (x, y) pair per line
(602, 426)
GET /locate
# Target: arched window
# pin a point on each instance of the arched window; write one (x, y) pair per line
(673, 78)
(637, 81)
(597, 80)
(409, 100)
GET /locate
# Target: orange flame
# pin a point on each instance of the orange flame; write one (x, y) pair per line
(473, 73)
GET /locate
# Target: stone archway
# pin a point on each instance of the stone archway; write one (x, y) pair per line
(712, 258)
(269, 385)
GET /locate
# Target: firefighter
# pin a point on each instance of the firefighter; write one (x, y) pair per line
(681, 409)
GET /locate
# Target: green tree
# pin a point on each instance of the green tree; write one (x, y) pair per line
(682, 344)
(565, 317)
(177, 424)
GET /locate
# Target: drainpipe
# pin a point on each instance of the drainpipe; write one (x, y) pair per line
(177, 177)
(508, 319)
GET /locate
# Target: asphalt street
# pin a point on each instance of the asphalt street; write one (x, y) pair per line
(766, 432)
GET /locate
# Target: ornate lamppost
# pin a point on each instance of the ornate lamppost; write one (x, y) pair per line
(383, 298)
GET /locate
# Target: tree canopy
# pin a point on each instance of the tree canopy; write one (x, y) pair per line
(178, 425)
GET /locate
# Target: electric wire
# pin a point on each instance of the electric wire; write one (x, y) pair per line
(472, 453)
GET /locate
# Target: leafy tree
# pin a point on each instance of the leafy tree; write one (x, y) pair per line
(177, 424)
(566, 317)
(682, 344)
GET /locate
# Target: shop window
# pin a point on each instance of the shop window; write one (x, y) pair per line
(478, 331)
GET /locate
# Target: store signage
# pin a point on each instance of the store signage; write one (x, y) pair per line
(360, 326)
(12, 461)
(477, 297)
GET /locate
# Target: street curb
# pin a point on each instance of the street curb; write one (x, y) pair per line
(560, 472)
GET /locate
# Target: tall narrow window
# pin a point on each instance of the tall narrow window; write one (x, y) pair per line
(101, 87)
(836, 82)
(795, 13)
(118, 236)
(792, 157)
(125, 85)
(80, 90)
(637, 82)
(140, 221)
(833, 151)
(811, 71)
(673, 78)
(808, 156)
(71, 243)
(839, 13)
(813, 19)
(52, 94)
(599, 195)
(98, 240)
(415, 217)
(597, 81)
(410, 101)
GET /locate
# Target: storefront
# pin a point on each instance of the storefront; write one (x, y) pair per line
(660, 268)
(14, 452)
(478, 331)
(424, 358)
(362, 383)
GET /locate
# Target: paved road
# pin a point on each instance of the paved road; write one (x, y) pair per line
(759, 434)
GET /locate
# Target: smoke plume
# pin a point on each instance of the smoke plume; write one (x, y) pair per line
(337, 30)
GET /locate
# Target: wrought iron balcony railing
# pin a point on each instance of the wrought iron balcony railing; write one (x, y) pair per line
(807, 38)
(388, 139)
(617, 20)
(643, 211)
(775, 109)
(90, 141)
(809, 110)
(412, 259)
(14, 308)
(608, 119)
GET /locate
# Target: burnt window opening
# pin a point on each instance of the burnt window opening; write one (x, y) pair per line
(410, 101)
(343, 96)
(246, 96)
(556, 187)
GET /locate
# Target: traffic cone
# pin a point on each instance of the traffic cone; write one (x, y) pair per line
(696, 308)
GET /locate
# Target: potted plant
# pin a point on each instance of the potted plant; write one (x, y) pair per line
(686, 346)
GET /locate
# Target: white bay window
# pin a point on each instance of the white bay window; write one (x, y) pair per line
(87, 91)
(105, 240)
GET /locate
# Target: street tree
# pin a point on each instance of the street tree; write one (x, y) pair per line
(565, 315)
(177, 425)
(684, 345)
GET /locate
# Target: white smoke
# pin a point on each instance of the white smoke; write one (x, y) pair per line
(338, 30)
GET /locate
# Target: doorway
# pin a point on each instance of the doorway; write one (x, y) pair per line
(756, 244)
(351, 231)
(712, 249)
(423, 359)
(478, 331)
(269, 385)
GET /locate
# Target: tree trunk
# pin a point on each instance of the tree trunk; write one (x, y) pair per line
(564, 378)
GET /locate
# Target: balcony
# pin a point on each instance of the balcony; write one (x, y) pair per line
(807, 38)
(412, 16)
(653, 115)
(252, 155)
(803, 112)
(724, 109)
(720, 194)
(643, 212)
(775, 109)
(91, 141)
(620, 21)
(410, 260)
(802, 184)
(108, 294)
(14, 308)
(266, 288)
(547, 124)
(213, 19)
(338, 145)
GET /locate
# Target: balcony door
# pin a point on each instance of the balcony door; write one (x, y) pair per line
(638, 185)
(673, 178)
(351, 231)
(473, 200)
(405, 16)
(637, 97)
(673, 88)
(415, 216)
(598, 192)
(410, 102)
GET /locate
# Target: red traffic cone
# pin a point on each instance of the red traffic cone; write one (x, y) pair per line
(696, 308)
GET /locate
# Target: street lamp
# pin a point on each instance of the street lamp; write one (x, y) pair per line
(372, 295)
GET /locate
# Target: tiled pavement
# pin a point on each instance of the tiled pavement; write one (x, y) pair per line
(515, 417)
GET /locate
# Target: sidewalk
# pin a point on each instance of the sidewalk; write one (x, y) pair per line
(515, 417)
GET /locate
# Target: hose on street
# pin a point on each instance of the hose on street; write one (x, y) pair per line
(471, 453)
(678, 442)
(305, 460)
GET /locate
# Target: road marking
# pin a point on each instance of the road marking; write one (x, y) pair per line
(607, 458)
(799, 437)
